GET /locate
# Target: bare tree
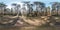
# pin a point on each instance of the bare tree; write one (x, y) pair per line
(48, 11)
(55, 7)
(2, 7)
(26, 7)
(39, 6)
(16, 8)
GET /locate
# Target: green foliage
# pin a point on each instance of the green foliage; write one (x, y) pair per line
(2, 4)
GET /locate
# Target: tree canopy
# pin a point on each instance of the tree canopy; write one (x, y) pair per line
(2, 4)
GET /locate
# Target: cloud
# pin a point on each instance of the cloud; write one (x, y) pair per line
(9, 6)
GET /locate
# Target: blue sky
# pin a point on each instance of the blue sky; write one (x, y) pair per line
(47, 2)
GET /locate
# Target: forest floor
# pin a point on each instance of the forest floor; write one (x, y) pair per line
(17, 27)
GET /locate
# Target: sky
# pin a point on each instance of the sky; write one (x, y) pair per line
(9, 2)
